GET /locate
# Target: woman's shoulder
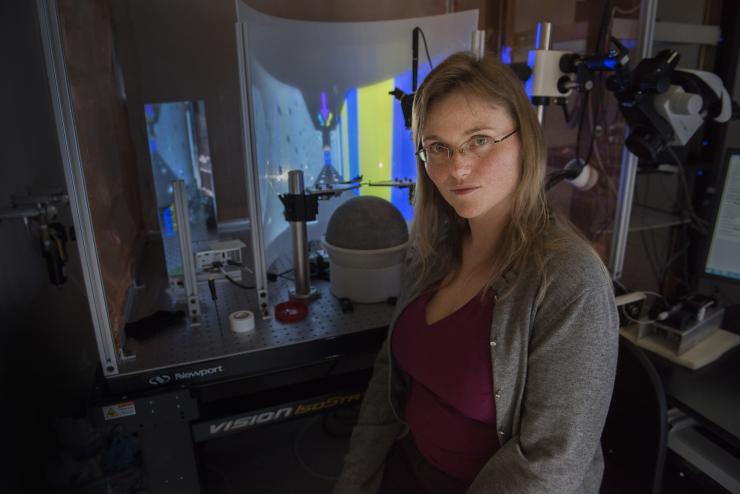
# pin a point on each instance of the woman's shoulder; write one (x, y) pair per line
(570, 260)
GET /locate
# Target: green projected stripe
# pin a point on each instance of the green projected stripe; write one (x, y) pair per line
(375, 119)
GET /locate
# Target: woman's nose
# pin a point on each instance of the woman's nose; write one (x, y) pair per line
(459, 165)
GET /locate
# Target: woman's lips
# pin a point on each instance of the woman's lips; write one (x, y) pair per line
(461, 191)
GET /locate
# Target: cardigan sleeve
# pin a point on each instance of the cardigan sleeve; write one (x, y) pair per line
(373, 437)
(570, 369)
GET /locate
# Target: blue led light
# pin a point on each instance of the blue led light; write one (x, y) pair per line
(611, 63)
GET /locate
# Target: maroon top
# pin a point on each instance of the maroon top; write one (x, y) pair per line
(450, 408)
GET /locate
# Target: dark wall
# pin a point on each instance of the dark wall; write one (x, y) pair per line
(47, 347)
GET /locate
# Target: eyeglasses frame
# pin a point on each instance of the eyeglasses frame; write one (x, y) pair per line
(451, 152)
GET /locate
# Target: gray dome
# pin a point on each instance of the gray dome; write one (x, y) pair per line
(366, 223)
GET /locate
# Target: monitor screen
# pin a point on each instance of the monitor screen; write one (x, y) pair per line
(723, 258)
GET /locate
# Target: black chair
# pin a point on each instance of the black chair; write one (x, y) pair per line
(635, 433)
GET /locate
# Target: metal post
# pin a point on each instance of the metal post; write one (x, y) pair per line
(301, 268)
(628, 170)
(186, 251)
(545, 35)
(478, 45)
(544, 41)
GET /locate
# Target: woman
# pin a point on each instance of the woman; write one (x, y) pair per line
(497, 373)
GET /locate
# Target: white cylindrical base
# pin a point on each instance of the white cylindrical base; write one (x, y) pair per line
(365, 276)
(365, 286)
(241, 321)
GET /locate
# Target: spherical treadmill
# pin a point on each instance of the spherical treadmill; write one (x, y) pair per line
(366, 240)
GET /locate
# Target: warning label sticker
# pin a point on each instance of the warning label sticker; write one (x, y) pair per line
(119, 410)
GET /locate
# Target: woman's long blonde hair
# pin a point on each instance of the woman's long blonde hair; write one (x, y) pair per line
(437, 231)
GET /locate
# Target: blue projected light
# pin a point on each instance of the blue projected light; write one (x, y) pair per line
(403, 160)
(506, 55)
(528, 84)
(403, 157)
(169, 229)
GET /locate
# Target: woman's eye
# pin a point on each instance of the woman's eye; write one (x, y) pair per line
(478, 141)
(437, 148)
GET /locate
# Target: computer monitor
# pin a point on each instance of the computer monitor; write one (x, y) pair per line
(723, 257)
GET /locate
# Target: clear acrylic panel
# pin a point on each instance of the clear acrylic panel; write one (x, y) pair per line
(178, 148)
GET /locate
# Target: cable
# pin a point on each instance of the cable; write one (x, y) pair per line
(592, 118)
(426, 47)
(214, 296)
(649, 255)
(598, 85)
(234, 282)
(580, 124)
(219, 266)
(638, 321)
(239, 264)
(566, 113)
(603, 26)
(699, 223)
(607, 180)
(642, 321)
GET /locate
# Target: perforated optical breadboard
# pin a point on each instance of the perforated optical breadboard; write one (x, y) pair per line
(186, 344)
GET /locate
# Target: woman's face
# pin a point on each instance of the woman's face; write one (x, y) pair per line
(479, 181)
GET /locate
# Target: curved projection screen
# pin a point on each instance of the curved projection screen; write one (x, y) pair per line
(320, 103)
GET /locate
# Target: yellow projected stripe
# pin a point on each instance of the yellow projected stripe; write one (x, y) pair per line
(375, 122)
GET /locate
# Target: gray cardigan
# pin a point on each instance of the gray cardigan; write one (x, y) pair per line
(553, 371)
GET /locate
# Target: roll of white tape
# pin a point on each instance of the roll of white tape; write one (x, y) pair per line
(241, 321)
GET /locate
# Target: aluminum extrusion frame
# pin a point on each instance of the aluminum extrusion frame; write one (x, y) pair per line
(69, 148)
(251, 172)
(628, 169)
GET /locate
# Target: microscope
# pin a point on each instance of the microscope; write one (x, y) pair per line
(663, 105)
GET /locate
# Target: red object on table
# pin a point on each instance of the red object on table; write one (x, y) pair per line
(291, 311)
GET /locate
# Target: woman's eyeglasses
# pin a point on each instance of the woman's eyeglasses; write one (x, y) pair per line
(438, 154)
